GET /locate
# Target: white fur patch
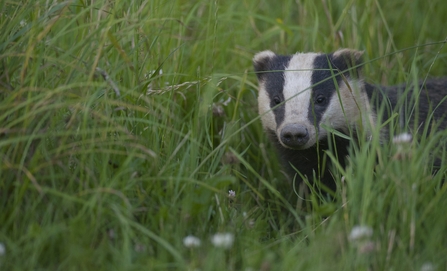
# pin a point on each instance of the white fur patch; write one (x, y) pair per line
(267, 115)
(261, 56)
(297, 93)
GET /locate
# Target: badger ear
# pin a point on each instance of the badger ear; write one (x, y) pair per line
(348, 58)
(261, 62)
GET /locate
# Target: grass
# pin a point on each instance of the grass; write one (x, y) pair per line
(124, 124)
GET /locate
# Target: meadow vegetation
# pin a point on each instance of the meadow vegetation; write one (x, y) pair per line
(125, 124)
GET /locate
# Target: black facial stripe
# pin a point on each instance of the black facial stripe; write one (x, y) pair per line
(274, 85)
(322, 65)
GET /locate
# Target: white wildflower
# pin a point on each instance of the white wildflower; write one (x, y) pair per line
(223, 240)
(2, 249)
(231, 193)
(23, 23)
(402, 138)
(191, 241)
(360, 232)
(360, 239)
(428, 267)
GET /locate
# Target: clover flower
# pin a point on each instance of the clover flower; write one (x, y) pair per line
(360, 232)
(223, 240)
(231, 194)
(428, 266)
(191, 241)
(360, 238)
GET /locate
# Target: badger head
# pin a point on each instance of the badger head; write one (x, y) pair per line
(302, 95)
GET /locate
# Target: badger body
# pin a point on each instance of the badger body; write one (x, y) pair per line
(304, 97)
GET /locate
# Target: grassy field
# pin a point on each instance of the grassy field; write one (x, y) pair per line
(125, 124)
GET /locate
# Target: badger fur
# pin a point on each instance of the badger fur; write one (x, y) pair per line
(304, 97)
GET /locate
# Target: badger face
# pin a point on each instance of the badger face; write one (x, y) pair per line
(301, 95)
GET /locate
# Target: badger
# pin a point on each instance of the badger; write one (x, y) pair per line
(307, 101)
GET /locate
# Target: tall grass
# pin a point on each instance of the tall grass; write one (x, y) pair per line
(124, 124)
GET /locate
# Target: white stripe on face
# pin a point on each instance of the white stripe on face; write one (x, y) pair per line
(297, 89)
(267, 115)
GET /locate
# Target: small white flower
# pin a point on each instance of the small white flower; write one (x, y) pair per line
(231, 194)
(360, 232)
(2, 249)
(427, 267)
(191, 241)
(223, 240)
(402, 138)
(23, 23)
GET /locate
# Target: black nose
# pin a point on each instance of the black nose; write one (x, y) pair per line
(294, 135)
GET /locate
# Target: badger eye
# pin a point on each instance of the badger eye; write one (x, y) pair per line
(276, 100)
(320, 99)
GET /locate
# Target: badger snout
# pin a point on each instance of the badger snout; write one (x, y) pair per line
(294, 135)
